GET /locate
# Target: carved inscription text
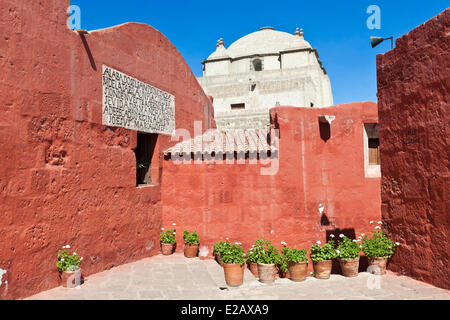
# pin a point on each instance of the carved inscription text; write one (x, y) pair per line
(133, 104)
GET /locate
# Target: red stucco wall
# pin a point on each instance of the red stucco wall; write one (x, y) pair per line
(413, 92)
(236, 201)
(64, 177)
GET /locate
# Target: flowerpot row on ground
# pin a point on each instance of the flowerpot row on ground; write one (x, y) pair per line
(264, 260)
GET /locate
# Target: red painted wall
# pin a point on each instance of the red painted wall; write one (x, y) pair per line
(64, 177)
(413, 92)
(236, 201)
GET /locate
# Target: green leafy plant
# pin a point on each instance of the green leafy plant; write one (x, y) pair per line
(348, 249)
(326, 252)
(218, 246)
(378, 246)
(232, 254)
(256, 251)
(141, 166)
(68, 262)
(168, 236)
(191, 238)
(283, 264)
(267, 253)
(295, 255)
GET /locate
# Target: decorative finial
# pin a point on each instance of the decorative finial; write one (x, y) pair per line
(299, 33)
(219, 43)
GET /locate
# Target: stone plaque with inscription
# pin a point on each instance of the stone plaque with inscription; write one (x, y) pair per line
(133, 104)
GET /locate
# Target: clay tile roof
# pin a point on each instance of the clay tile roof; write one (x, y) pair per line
(228, 141)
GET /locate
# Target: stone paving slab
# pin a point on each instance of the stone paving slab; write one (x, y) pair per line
(176, 277)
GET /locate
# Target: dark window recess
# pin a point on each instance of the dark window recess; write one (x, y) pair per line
(374, 151)
(237, 106)
(257, 65)
(311, 104)
(144, 153)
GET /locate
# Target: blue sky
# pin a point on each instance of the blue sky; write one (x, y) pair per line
(337, 29)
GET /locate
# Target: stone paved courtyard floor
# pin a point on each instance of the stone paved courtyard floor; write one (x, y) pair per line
(176, 277)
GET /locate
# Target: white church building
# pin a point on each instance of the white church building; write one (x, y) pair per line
(262, 70)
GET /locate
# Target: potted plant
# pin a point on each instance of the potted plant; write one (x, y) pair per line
(297, 263)
(322, 258)
(283, 267)
(233, 260)
(267, 261)
(191, 244)
(378, 248)
(168, 241)
(217, 249)
(252, 255)
(348, 254)
(69, 268)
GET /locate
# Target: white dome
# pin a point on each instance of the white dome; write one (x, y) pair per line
(266, 40)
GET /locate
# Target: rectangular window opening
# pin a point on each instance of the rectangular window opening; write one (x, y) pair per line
(237, 106)
(372, 168)
(144, 153)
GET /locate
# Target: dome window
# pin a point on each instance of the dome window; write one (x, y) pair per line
(257, 65)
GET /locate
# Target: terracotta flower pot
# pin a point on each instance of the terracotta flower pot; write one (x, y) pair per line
(377, 265)
(298, 271)
(234, 274)
(191, 250)
(167, 248)
(349, 267)
(266, 272)
(71, 279)
(322, 269)
(253, 268)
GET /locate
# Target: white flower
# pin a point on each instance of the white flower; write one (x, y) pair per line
(397, 243)
(174, 233)
(174, 224)
(68, 247)
(226, 238)
(338, 252)
(162, 229)
(62, 259)
(359, 238)
(341, 235)
(379, 222)
(363, 234)
(74, 253)
(371, 221)
(377, 227)
(318, 242)
(237, 243)
(283, 243)
(354, 240)
(331, 235)
(81, 259)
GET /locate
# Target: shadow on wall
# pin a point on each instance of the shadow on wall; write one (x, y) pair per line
(88, 51)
